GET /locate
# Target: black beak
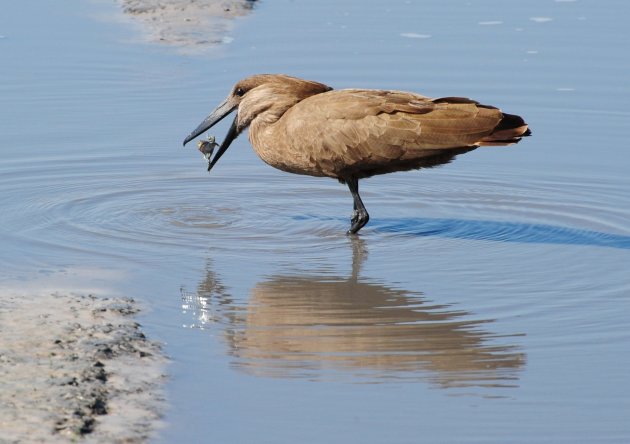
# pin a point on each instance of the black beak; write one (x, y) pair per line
(215, 117)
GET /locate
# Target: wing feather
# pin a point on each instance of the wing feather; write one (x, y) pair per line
(344, 132)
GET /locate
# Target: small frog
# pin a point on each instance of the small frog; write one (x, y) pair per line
(206, 147)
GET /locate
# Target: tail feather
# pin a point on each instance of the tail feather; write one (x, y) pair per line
(509, 131)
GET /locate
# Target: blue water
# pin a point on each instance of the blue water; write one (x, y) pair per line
(485, 301)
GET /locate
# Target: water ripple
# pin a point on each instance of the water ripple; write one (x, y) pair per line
(109, 211)
(500, 231)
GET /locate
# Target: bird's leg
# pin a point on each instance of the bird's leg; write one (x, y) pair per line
(360, 215)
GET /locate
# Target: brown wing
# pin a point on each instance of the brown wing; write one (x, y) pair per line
(365, 132)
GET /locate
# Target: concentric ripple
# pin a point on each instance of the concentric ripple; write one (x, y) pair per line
(102, 208)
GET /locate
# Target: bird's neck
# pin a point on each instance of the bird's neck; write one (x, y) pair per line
(261, 130)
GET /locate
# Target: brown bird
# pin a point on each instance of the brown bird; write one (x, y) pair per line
(306, 127)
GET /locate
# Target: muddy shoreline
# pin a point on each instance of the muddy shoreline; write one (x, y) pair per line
(77, 366)
(188, 25)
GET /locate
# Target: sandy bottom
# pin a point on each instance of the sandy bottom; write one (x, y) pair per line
(77, 366)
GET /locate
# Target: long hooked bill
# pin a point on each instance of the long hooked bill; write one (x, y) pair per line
(215, 117)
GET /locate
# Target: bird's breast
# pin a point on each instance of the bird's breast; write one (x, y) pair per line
(290, 152)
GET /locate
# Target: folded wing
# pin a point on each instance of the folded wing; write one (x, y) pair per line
(360, 133)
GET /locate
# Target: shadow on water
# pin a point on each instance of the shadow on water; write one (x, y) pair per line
(327, 327)
(500, 231)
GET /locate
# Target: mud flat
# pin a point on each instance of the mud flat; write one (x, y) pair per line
(187, 24)
(76, 367)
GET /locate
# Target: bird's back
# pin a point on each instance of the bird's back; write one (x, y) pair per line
(359, 133)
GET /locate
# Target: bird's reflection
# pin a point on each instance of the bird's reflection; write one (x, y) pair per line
(332, 327)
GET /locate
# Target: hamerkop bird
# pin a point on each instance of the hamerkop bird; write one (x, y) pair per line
(306, 127)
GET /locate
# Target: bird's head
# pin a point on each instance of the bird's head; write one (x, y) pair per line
(259, 99)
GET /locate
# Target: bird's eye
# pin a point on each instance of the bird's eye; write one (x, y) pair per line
(239, 92)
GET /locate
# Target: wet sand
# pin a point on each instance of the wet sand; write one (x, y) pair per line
(77, 366)
(187, 24)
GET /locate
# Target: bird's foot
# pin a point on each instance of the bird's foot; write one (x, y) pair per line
(358, 220)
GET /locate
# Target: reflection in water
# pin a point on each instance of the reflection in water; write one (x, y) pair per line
(321, 326)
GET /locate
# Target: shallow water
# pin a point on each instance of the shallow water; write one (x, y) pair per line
(485, 301)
